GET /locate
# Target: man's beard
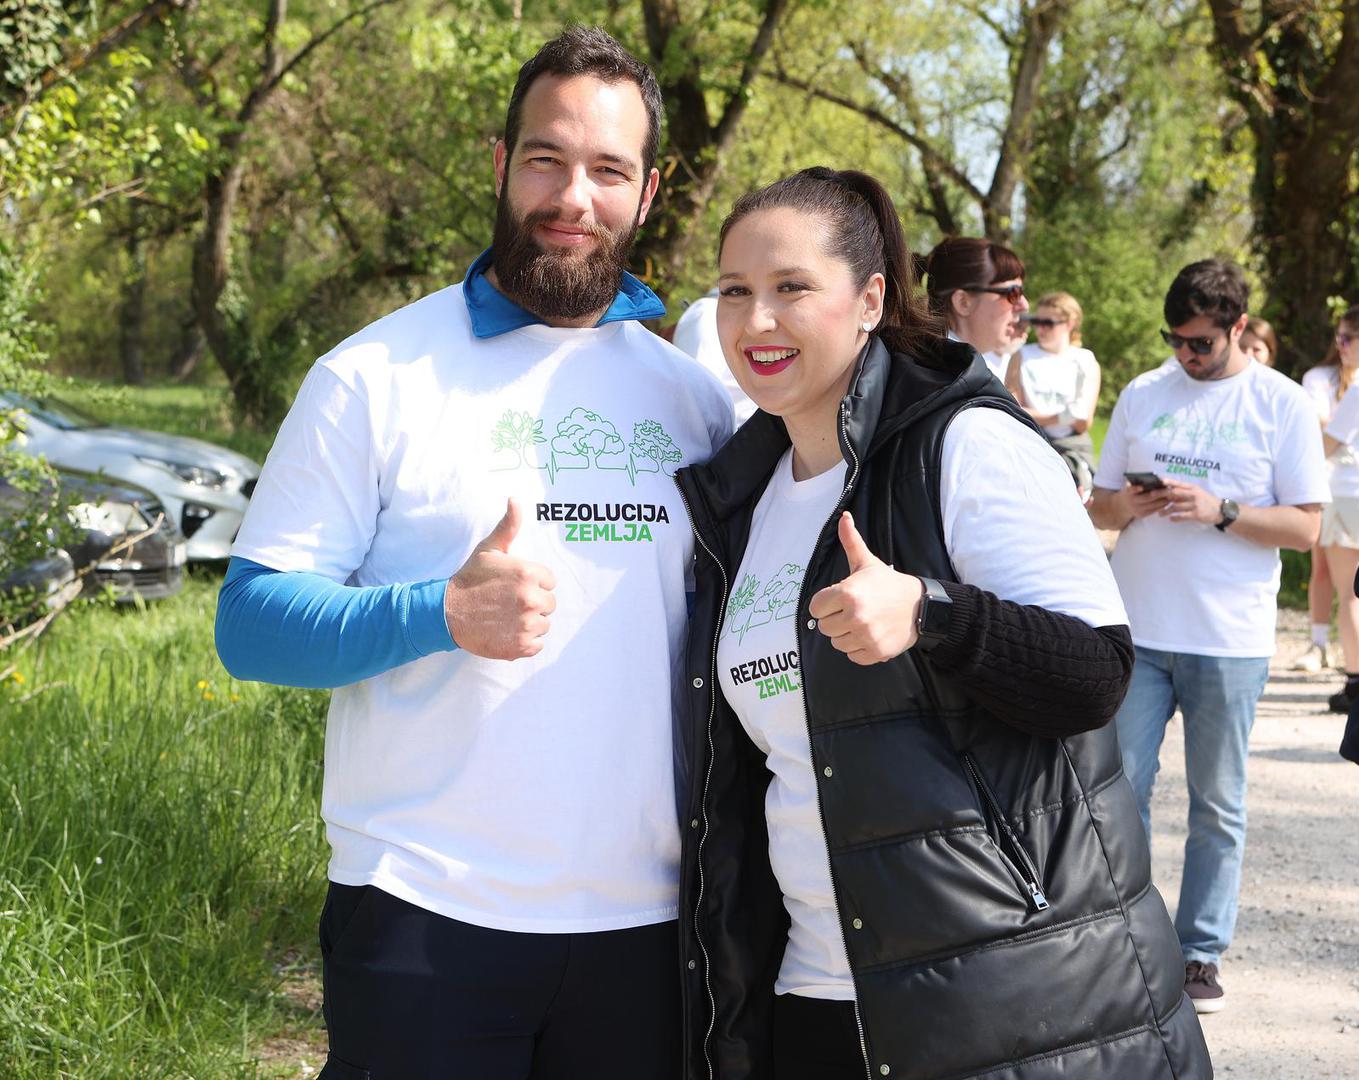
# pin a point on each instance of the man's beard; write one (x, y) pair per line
(557, 283)
(1210, 372)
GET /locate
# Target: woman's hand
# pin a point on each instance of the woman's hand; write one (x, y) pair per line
(871, 615)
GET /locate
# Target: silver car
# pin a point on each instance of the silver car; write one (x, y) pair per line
(204, 488)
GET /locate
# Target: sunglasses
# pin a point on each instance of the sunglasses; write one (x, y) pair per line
(1046, 324)
(1012, 293)
(1199, 346)
(1343, 340)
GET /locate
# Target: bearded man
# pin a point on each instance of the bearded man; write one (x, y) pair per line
(467, 526)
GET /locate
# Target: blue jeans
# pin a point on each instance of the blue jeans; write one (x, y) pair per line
(1217, 696)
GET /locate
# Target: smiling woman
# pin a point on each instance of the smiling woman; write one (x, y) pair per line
(921, 796)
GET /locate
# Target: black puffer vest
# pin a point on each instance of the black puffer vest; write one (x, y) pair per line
(993, 887)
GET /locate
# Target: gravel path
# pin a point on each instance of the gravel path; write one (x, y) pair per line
(1292, 974)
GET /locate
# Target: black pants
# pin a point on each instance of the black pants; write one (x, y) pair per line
(816, 1040)
(411, 995)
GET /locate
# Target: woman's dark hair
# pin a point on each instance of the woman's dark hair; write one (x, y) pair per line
(1212, 287)
(862, 230)
(964, 262)
(588, 50)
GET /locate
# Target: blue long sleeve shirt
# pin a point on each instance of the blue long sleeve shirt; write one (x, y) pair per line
(296, 628)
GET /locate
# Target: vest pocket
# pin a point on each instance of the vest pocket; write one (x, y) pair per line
(1012, 851)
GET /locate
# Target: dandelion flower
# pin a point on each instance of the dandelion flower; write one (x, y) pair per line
(202, 684)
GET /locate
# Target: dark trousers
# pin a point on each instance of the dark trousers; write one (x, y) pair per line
(411, 995)
(816, 1040)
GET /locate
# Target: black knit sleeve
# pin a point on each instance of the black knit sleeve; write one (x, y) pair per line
(1039, 671)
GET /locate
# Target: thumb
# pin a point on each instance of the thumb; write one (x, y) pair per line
(855, 548)
(507, 528)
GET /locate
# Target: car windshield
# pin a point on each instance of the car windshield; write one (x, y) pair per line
(51, 411)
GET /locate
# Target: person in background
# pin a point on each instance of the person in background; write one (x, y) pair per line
(977, 288)
(910, 849)
(1259, 342)
(1056, 382)
(1325, 384)
(696, 334)
(1335, 377)
(1209, 466)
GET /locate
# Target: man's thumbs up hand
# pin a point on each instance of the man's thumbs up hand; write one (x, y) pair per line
(497, 605)
(871, 615)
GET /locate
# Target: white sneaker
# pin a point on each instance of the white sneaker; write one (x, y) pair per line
(1315, 660)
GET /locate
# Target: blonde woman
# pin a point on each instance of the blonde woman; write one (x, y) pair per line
(1056, 382)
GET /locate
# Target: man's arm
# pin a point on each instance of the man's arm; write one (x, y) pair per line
(1292, 527)
(294, 628)
(1119, 509)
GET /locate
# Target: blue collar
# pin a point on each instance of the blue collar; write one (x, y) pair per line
(493, 313)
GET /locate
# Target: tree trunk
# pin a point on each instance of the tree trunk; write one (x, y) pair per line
(132, 310)
(1302, 105)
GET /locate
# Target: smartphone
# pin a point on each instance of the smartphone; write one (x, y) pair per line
(1147, 481)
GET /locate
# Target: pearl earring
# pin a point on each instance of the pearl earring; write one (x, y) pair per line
(867, 327)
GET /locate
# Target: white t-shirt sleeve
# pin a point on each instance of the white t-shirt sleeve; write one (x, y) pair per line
(316, 504)
(1087, 386)
(1321, 389)
(1014, 524)
(1344, 422)
(1300, 475)
(1113, 455)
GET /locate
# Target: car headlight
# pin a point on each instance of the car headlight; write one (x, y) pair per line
(200, 475)
(110, 517)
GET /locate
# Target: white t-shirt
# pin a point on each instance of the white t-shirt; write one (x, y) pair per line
(1252, 438)
(535, 795)
(1063, 384)
(1010, 516)
(998, 362)
(1323, 386)
(696, 334)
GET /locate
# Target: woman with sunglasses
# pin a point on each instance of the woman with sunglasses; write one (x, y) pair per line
(1332, 384)
(908, 848)
(977, 288)
(1056, 382)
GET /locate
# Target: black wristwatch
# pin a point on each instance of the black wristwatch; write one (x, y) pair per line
(1230, 512)
(936, 615)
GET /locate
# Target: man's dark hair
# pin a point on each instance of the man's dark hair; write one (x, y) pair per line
(588, 50)
(1212, 287)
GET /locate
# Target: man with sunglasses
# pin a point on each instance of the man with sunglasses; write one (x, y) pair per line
(1226, 467)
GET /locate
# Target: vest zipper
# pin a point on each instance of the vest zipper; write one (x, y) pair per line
(807, 719)
(1018, 855)
(707, 778)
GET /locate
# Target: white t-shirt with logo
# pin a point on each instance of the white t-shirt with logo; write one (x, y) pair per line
(1252, 438)
(1011, 517)
(1322, 384)
(535, 795)
(1063, 384)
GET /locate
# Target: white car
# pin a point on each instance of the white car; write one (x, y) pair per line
(204, 488)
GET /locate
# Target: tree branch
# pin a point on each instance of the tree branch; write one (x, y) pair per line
(736, 104)
(877, 116)
(101, 46)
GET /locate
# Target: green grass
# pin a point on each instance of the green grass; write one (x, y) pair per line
(161, 853)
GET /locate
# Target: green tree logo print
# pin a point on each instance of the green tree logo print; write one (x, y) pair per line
(583, 439)
(517, 432)
(753, 605)
(652, 449)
